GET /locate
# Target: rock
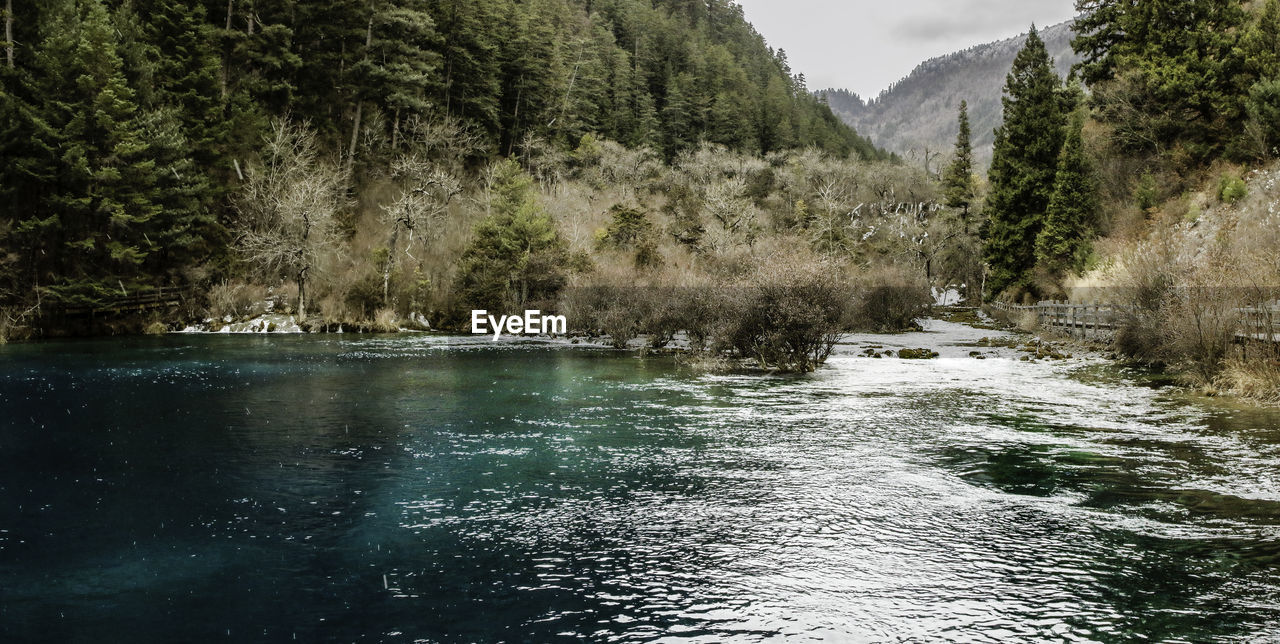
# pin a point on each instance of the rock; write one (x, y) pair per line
(917, 354)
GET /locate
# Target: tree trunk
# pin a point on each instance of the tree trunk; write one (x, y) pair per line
(355, 139)
(302, 295)
(395, 131)
(302, 273)
(8, 32)
(226, 55)
(355, 128)
(390, 265)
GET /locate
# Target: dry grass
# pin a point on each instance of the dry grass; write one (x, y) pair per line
(239, 300)
(1253, 380)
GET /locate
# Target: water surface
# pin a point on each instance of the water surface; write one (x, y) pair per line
(348, 488)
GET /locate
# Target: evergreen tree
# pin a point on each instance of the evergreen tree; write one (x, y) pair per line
(957, 179)
(517, 256)
(1098, 31)
(128, 127)
(1260, 43)
(396, 68)
(186, 75)
(87, 232)
(1063, 243)
(1023, 166)
(1176, 60)
(259, 67)
(471, 65)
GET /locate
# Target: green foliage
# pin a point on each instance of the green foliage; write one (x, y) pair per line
(1147, 193)
(1264, 113)
(90, 178)
(791, 320)
(1023, 167)
(1063, 243)
(957, 179)
(629, 228)
(1182, 69)
(129, 128)
(1231, 188)
(517, 256)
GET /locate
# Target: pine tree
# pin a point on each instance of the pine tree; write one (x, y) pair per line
(470, 64)
(517, 256)
(170, 57)
(1063, 243)
(1023, 166)
(533, 69)
(1098, 31)
(259, 68)
(396, 68)
(1178, 60)
(957, 179)
(1260, 43)
(96, 208)
(186, 74)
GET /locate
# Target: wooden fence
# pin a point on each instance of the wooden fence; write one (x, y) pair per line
(157, 299)
(1100, 321)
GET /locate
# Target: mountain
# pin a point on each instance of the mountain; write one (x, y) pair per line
(918, 113)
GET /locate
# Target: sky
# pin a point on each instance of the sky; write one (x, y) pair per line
(865, 45)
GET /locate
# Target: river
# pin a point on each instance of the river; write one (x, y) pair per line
(422, 488)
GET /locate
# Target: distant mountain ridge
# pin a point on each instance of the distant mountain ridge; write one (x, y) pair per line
(918, 113)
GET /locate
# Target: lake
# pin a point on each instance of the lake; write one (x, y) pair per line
(423, 488)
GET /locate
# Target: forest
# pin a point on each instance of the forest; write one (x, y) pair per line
(377, 164)
(645, 167)
(1145, 180)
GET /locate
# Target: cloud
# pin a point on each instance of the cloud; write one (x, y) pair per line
(972, 20)
(868, 44)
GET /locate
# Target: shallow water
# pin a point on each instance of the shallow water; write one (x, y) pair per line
(194, 488)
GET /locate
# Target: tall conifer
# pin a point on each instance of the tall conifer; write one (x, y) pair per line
(1023, 166)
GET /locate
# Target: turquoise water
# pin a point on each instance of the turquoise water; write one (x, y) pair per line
(399, 489)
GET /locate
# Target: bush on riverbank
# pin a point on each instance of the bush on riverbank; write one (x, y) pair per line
(791, 319)
(784, 314)
(1184, 280)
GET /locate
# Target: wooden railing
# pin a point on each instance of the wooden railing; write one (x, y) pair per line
(161, 298)
(1090, 321)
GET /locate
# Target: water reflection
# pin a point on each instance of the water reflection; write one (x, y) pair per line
(444, 489)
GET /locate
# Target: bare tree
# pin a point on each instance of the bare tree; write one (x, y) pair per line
(732, 212)
(444, 140)
(424, 197)
(288, 207)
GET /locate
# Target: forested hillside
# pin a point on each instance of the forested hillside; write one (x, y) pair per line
(1155, 191)
(916, 115)
(144, 139)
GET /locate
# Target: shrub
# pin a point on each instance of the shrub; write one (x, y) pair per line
(1199, 328)
(237, 299)
(1264, 114)
(1146, 194)
(606, 310)
(792, 319)
(364, 297)
(517, 256)
(890, 300)
(1231, 189)
(628, 227)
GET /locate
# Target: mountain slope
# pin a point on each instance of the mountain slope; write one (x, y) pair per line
(918, 113)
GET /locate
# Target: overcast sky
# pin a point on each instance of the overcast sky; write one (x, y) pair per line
(865, 45)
